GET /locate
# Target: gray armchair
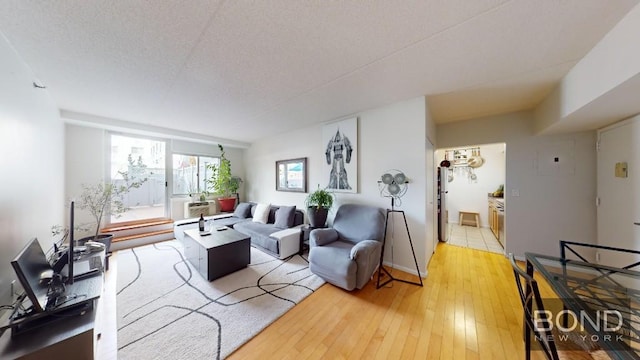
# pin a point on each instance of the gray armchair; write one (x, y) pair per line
(348, 254)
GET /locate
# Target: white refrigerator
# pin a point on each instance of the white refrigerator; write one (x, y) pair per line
(443, 221)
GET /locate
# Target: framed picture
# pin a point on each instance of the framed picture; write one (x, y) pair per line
(291, 175)
(340, 148)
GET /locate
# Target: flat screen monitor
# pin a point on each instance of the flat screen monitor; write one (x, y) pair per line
(71, 244)
(34, 273)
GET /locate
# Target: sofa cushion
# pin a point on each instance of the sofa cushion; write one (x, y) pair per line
(284, 217)
(272, 214)
(243, 211)
(259, 234)
(229, 221)
(261, 213)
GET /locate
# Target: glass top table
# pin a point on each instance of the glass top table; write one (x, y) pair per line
(605, 300)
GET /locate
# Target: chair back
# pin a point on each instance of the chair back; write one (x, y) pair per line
(531, 303)
(355, 223)
(617, 256)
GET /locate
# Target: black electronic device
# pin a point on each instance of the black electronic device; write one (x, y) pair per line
(51, 295)
(46, 290)
(34, 273)
(60, 262)
(91, 266)
(73, 269)
(71, 244)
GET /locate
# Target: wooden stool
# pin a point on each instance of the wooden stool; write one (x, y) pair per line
(476, 217)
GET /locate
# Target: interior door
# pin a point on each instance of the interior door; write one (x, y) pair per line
(619, 196)
(431, 231)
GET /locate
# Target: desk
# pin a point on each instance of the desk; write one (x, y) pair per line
(72, 337)
(589, 290)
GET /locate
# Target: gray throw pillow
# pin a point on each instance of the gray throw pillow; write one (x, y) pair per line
(242, 210)
(284, 217)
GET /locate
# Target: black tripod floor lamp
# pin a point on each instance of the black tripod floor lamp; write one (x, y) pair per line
(394, 186)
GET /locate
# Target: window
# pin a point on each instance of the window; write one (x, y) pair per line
(190, 173)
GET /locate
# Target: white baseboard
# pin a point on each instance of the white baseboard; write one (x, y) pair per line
(411, 271)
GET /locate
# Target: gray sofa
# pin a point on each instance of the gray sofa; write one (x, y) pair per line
(348, 254)
(280, 239)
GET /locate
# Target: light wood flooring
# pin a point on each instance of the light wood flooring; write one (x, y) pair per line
(467, 309)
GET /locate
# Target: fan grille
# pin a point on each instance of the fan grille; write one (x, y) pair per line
(393, 184)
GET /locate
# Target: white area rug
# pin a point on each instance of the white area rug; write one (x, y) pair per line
(166, 310)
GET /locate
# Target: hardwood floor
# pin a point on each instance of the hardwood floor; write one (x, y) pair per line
(467, 309)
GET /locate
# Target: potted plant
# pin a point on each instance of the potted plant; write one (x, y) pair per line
(223, 182)
(318, 204)
(102, 198)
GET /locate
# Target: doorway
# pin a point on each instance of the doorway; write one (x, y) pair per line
(618, 212)
(473, 184)
(140, 158)
(431, 219)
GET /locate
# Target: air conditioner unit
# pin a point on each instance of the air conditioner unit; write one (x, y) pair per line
(194, 209)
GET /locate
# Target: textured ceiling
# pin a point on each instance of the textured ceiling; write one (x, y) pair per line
(243, 70)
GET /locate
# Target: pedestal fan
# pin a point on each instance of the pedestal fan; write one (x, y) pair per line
(393, 184)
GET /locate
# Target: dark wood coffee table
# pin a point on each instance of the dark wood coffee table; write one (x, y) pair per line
(218, 254)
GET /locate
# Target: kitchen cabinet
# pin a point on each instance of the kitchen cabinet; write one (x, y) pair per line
(496, 207)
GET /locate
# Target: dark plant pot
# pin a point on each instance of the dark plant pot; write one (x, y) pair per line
(317, 217)
(102, 238)
(227, 204)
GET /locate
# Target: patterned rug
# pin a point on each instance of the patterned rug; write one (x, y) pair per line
(166, 310)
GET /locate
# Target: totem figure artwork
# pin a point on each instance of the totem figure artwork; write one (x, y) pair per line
(341, 148)
(340, 144)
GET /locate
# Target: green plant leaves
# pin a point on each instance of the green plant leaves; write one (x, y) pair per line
(320, 198)
(221, 180)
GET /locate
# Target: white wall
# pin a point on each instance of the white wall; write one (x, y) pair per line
(614, 60)
(392, 137)
(32, 163)
(556, 201)
(85, 163)
(471, 195)
(608, 68)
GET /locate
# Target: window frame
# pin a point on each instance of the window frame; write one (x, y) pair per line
(280, 186)
(107, 166)
(199, 158)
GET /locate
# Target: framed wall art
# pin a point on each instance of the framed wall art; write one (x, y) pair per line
(340, 148)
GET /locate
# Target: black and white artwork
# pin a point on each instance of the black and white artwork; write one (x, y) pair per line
(340, 146)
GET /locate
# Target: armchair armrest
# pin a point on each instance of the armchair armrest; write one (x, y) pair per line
(321, 237)
(366, 254)
(363, 248)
